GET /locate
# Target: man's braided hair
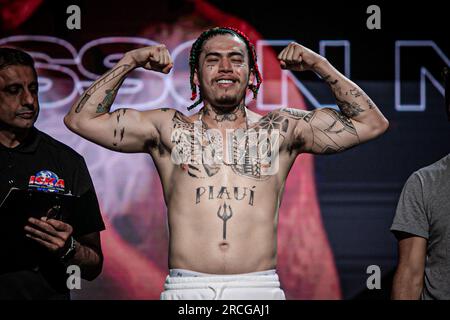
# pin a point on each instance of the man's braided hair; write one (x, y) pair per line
(197, 47)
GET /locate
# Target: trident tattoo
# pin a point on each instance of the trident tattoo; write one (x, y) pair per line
(227, 214)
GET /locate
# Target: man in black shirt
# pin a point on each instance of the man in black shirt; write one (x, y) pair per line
(35, 259)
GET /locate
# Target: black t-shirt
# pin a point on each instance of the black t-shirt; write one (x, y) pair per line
(45, 164)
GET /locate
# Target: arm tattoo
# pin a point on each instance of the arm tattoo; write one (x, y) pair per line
(354, 92)
(105, 105)
(331, 131)
(347, 102)
(294, 113)
(108, 77)
(107, 102)
(119, 113)
(330, 82)
(349, 109)
(83, 100)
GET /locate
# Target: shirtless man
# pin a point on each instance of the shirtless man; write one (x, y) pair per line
(223, 208)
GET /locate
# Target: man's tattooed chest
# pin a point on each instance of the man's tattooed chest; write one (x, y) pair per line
(203, 152)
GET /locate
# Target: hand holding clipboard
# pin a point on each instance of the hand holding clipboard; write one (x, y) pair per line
(40, 216)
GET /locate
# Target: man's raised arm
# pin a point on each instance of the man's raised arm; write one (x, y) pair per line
(327, 130)
(125, 130)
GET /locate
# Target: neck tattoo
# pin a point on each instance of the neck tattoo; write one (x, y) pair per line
(228, 116)
(232, 116)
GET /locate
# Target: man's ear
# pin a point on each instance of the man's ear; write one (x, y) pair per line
(251, 78)
(196, 81)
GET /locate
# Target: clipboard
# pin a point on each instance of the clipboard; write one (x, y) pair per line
(20, 204)
(15, 209)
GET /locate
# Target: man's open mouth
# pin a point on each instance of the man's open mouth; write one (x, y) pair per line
(225, 82)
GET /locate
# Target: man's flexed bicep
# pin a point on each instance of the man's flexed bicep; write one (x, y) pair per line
(327, 131)
(124, 130)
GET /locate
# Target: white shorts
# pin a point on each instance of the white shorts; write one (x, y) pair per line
(184, 284)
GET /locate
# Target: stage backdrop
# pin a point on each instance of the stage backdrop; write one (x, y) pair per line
(336, 211)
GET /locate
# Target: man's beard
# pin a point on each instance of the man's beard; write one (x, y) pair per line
(224, 99)
(227, 101)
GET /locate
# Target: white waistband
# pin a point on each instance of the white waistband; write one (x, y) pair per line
(190, 273)
(261, 279)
